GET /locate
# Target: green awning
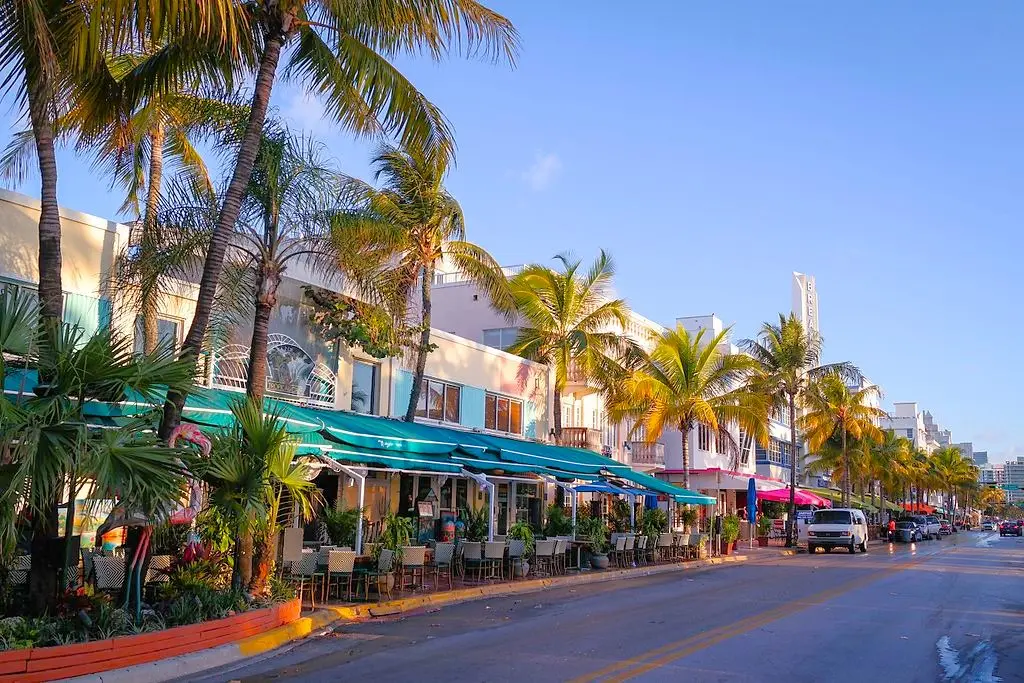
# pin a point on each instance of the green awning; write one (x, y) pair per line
(391, 459)
(549, 457)
(679, 494)
(385, 434)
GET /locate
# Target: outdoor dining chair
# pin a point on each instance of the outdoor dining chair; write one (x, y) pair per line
(494, 559)
(472, 558)
(696, 543)
(619, 551)
(544, 556)
(382, 575)
(683, 545)
(561, 546)
(516, 551)
(629, 551)
(88, 568)
(340, 567)
(443, 563)
(640, 551)
(306, 572)
(665, 546)
(414, 565)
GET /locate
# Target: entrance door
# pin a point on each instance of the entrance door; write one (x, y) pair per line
(502, 509)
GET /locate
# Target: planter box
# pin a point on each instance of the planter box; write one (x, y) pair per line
(66, 661)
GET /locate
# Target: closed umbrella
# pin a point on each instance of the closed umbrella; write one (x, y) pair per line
(752, 507)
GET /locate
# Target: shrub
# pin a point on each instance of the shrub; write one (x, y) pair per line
(341, 525)
(558, 522)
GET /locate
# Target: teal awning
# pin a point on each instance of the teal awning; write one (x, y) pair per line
(680, 495)
(391, 459)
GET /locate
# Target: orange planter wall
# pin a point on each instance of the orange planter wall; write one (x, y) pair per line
(65, 661)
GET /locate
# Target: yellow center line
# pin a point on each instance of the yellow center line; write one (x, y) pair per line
(658, 657)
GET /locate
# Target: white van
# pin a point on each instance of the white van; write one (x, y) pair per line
(839, 528)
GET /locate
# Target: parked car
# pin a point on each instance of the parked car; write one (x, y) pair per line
(908, 531)
(945, 528)
(1010, 528)
(929, 525)
(839, 528)
(987, 525)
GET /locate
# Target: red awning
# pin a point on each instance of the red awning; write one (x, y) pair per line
(921, 508)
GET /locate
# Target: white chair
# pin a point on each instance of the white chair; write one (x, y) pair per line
(544, 555)
(494, 558)
(414, 564)
(665, 546)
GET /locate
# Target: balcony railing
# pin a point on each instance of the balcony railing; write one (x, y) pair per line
(581, 437)
(646, 453)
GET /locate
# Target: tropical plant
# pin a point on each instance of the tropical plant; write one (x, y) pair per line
(620, 515)
(789, 356)
(557, 522)
(764, 526)
(50, 447)
(421, 225)
(341, 53)
(688, 382)
(689, 517)
(653, 522)
(341, 524)
(476, 523)
(594, 533)
(953, 471)
(730, 528)
(833, 407)
(571, 324)
(521, 531)
(252, 473)
(886, 463)
(397, 532)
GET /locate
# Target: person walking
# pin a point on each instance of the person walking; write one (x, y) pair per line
(892, 529)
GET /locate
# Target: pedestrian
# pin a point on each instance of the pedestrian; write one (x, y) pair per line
(892, 529)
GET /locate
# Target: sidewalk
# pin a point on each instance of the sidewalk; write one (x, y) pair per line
(333, 615)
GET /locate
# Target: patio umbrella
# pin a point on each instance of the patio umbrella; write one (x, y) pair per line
(752, 507)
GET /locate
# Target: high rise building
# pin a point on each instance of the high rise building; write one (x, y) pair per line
(1013, 473)
(966, 449)
(980, 458)
(805, 301)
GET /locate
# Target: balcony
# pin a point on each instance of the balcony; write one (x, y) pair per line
(581, 437)
(647, 454)
(578, 383)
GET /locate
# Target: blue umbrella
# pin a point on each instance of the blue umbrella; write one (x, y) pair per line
(752, 506)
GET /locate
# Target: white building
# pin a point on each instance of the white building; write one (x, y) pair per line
(805, 301)
(1013, 475)
(991, 474)
(907, 421)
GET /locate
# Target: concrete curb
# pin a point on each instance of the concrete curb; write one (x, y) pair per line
(255, 646)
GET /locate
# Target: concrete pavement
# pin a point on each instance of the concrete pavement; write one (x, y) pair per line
(946, 610)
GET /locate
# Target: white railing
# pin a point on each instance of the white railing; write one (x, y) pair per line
(292, 374)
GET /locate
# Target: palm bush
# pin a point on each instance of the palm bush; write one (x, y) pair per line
(341, 524)
(397, 532)
(557, 523)
(476, 523)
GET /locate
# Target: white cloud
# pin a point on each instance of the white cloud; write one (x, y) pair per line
(543, 171)
(305, 113)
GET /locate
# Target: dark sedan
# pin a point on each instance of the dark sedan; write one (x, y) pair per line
(908, 531)
(1010, 528)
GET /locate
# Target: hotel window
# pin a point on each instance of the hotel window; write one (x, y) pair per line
(720, 443)
(703, 438)
(503, 414)
(439, 401)
(745, 440)
(167, 330)
(501, 337)
(364, 387)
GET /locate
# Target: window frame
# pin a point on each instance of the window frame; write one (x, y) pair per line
(179, 331)
(491, 414)
(374, 393)
(425, 400)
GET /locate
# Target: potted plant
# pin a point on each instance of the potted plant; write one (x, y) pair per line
(341, 524)
(689, 517)
(730, 532)
(558, 522)
(475, 523)
(593, 532)
(764, 525)
(396, 533)
(521, 531)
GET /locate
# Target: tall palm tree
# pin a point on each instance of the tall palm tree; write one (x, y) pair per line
(341, 51)
(688, 382)
(887, 460)
(571, 323)
(831, 406)
(421, 225)
(789, 356)
(953, 470)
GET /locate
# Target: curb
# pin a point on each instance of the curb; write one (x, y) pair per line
(190, 665)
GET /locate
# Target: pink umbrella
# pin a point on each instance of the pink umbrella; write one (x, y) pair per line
(782, 496)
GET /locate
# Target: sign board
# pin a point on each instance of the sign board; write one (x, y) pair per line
(804, 514)
(1009, 487)
(425, 508)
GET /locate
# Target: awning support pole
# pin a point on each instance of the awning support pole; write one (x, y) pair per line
(632, 512)
(482, 480)
(359, 476)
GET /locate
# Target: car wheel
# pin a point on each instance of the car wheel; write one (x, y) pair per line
(811, 549)
(852, 548)
(864, 546)
(828, 549)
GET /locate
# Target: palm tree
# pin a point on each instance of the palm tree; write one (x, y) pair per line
(251, 474)
(285, 216)
(789, 356)
(831, 406)
(51, 446)
(341, 53)
(571, 323)
(688, 382)
(421, 225)
(887, 460)
(953, 470)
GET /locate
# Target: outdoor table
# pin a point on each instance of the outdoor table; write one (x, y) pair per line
(579, 553)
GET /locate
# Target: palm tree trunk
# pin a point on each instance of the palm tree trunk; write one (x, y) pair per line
(791, 522)
(230, 208)
(51, 289)
(148, 307)
(846, 472)
(557, 416)
(266, 301)
(42, 585)
(684, 434)
(424, 346)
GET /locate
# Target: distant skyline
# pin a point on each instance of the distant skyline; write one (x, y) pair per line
(714, 151)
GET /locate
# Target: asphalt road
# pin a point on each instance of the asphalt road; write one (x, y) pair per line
(948, 610)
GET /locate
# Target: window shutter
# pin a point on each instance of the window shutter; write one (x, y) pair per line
(473, 406)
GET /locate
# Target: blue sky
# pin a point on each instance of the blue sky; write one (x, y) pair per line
(713, 151)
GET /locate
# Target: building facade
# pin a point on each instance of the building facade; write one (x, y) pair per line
(805, 301)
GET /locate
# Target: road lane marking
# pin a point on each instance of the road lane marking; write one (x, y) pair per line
(658, 657)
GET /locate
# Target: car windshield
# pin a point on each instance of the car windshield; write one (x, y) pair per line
(905, 525)
(831, 517)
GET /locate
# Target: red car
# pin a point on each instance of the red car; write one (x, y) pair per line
(1011, 528)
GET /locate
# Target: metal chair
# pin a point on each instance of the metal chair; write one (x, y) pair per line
(473, 558)
(384, 571)
(516, 552)
(640, 552)
(109, 573)
(619, 551)
(664, 546)
(628, 552)
(18, 572)
(561, 545)
(494, 559)
(340, 568)
(444, 563)
(414, 564)
(307, 572)
(544, 556)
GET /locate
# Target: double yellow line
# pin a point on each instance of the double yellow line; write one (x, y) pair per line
(666, 654)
